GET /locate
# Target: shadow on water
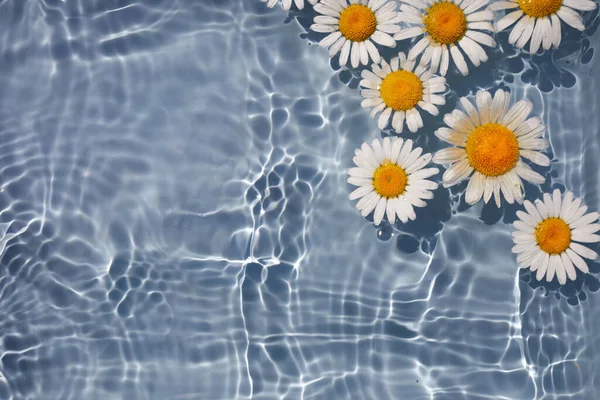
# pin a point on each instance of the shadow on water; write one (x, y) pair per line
(573, 291)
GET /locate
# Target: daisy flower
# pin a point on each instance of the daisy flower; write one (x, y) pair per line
(391, 179)
(546, 236)
(395, 88)
(491, 141)
(353, 26)
(446, 26)
(287, 4)
(539, 20)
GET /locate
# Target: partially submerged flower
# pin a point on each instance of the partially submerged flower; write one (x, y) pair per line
(491, 139)
(392, 179)
(447, 26)
(397, 89)
(546, 236)
(539, 20)
(354, 27)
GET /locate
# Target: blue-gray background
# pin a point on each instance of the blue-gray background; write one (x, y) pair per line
(174, 219)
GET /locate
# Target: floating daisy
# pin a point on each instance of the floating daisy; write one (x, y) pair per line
(446, 26)
(491, 140)
(398, 88)
(391, 179)
(539, 20)
(353, 26)
(546, 236)
(287, 4)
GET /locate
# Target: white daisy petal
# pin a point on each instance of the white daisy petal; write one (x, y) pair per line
(408, 33)
(575, 211)
(384, 118)
(359, 172)
(475, 188)
(471, 110)
(577, 261)
(321, 8)
(556, 202)
(366, 83)
(508, 20)
(517, 30)
(459, 60)
(543, 267)
(533, 124)
(533, 144)
(474, 6)
(330, 39)
(418, 48)
(571, 18)
(532, 211)
(528, 219)
(566, 203)
(556, 29)
(449, 155)
(372, 50)
(581, 5)
(326, 20)
(568, 266)
(539, 260)
(391, 211)
(406, 149)
(481, 38)
(485, 105)
(379, 211)
(360, 192)
(359, 181)
(376, 109)
(445, 61)
(584, 220)
(546, 28)
(480, 16)
(367, 203)
(387, 147)
(583, 251)
(383, 39)
(585, 237)
(552, 267)
(482, 25)
(457, 173)
(535, 157)
(410, 18)
(413, 120)
(499, 105)
(537, 37)
(503, 5)
(527, 32)
(591, 228)
(344, 53)
(371, 102)
(430, 108)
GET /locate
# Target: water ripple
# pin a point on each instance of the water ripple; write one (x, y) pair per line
(174, 219)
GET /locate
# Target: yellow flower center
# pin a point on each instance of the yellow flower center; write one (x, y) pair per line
(389, 180)
(357, 23)
(553, 235)
(445, 22)
(401, 90)
(492, 149)
(539, 8)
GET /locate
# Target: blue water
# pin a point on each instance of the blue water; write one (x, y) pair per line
(174, 219)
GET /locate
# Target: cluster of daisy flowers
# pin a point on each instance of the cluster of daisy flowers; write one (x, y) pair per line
(492, 140)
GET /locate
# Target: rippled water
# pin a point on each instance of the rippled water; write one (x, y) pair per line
(175, 223)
